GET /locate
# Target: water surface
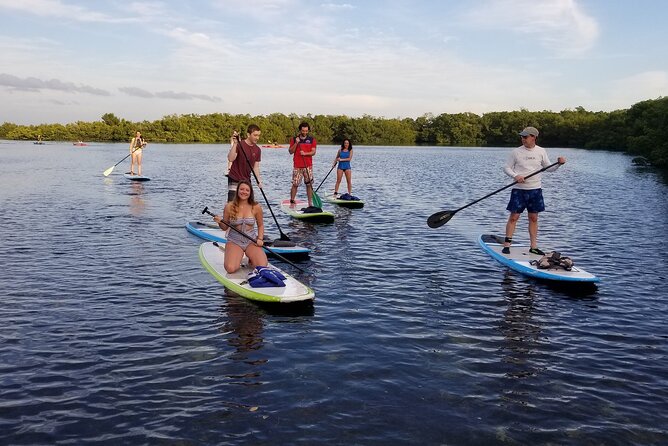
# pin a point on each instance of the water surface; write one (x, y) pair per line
(111, 332)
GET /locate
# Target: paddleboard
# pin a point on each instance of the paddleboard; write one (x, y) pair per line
(136, 177)
(352, 204)
(213, 233)
(295, 210)
(519, 258)
(212, 257)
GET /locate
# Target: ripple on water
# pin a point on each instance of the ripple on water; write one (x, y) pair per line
(112, 332)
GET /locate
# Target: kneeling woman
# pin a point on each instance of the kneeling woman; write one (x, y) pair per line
(243, 213)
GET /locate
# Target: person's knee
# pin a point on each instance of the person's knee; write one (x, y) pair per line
(512, 218)
(230, 267)
(533, 217)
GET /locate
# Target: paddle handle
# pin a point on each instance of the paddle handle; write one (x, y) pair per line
(207, 211)
(323, 180)
(126, 156)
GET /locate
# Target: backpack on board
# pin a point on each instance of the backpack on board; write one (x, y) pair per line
(552, 260)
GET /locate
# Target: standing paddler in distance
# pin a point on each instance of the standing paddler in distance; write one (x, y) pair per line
(303, 148)
(527, 193)
(136, 146)
(343, 156)
(240, 168)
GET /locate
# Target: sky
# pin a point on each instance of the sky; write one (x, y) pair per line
(64, 61)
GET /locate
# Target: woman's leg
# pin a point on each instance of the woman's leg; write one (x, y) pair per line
(132, 164)
(349, 180)
(139, 163)
(233, 256)
(256, 255)
(339, 175)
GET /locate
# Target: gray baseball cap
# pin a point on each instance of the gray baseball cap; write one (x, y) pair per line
(533, 131)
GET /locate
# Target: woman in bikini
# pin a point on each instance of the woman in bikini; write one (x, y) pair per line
(243, 214)
(343, 157)
(136, 146)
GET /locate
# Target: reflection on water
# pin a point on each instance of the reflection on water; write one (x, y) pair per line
(520, 331)
(137, 201)
(243, 321)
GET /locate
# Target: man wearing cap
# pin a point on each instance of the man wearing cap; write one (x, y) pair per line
(527, 194)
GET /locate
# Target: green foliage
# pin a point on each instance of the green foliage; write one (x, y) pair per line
(641, 130)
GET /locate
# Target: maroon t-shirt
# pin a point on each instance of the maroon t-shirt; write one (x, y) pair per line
(240, 169)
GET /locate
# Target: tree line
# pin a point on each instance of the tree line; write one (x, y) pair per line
(641, 130)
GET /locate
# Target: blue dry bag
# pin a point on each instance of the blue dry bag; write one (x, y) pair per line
(264, 277)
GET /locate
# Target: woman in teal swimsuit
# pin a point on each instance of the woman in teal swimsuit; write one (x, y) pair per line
(243, 213)
(343, 157)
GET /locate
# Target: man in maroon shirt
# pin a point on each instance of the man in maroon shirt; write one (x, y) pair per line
(243, 155)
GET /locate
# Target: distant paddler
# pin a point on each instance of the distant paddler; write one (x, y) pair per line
(136, 147)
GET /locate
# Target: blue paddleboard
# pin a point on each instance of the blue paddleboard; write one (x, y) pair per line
(519, 260)
(136, 177)
(213, 233)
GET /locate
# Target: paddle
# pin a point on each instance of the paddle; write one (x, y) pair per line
(323, 180)
(207, 211)
(440, 218)
(241, 149)
(111, 169)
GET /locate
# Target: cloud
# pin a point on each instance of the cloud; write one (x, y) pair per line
(36, 85)
(187, 96)
(195, 39)
(266, 11)
(56, 8)
(149, 9)
(336, 6)
(559, 25)
(133, 91)
(139, 92)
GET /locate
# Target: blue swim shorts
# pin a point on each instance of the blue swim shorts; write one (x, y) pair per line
(531, 200)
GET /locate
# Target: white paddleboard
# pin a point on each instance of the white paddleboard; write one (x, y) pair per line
(295, 210)
(352, 204)
(212, 257)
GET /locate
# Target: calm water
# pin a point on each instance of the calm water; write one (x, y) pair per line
(112, 332)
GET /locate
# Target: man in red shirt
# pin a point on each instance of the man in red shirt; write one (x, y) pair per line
(303, 148)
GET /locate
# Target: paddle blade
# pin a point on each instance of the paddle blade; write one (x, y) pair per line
(107, 172)
(439, 219)
(317, 202)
